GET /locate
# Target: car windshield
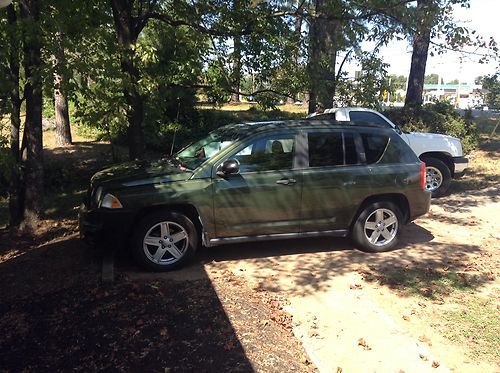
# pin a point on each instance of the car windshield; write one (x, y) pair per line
(195, 154)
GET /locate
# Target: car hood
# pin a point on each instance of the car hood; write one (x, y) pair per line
(139, 173)
(428, 135)
(422, 142)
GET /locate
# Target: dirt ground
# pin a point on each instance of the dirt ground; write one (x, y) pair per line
(432, 305)
(296, 305)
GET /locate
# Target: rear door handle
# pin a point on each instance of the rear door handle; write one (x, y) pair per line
(286, 181)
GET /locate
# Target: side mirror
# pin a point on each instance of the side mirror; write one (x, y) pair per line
(229, 167)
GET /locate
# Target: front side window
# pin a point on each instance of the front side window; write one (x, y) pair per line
(266, 154)
(331, 149)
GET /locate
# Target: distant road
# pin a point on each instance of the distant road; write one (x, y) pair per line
(481, 113)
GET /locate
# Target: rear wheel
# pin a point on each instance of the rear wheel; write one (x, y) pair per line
(165, 241)
(377, 227)
(437, 177)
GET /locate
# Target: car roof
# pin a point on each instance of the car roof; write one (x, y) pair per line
(323, 121)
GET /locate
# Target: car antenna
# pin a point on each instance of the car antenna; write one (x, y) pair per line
(175, 131)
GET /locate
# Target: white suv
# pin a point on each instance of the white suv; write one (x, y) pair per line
(442, 154)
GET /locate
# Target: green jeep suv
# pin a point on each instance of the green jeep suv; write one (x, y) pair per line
(261, 181)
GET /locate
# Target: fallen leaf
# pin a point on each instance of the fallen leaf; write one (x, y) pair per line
(362, 342)
(425, 339)
(423, 357)
(435, 364)
(406, 318)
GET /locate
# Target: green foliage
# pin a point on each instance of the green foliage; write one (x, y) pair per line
(492, 84)
(203, 121)
(367, 89)
(48, 110)
(440, 118)
(397, 82)
(431, 79)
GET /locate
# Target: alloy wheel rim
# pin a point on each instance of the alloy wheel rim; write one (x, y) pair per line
(165, 243)
(433, 178)
(381, 227)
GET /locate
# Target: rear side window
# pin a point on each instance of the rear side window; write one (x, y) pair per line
(366, 116)
(331, 149)
(374, 145)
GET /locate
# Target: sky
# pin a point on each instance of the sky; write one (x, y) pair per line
(482, 16)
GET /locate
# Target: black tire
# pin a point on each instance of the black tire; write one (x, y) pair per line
(152, 227)
(435, 169)
(361, 233)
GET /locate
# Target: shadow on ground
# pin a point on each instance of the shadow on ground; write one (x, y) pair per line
(55, 315)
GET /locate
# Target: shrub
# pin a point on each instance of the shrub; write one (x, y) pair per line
(440, 118)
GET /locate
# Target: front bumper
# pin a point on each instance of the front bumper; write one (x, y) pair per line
(460, 164)
(98, 224)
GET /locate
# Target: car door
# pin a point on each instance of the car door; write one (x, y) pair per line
(264, 197)
(336, 181)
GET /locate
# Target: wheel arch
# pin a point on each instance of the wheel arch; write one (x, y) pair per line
(184, 208)
(399, 200)
(446, 158)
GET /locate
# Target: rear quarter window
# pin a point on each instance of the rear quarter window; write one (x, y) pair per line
(374, 145)
(398, 152)
(385, 149)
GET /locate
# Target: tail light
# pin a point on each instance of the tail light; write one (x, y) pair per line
(422, 176)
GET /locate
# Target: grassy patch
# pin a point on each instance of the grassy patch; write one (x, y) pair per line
(476, 324)
(431, 283)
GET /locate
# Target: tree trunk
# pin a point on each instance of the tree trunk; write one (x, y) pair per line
(421, 41)
(236, 78)
(15, 191)
(33, 177)
(63, 129)
(298, 33)
(127, 32)
(323, 46)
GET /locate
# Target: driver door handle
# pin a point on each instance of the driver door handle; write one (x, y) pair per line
(286, 181)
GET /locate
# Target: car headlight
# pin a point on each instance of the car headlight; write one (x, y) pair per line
(111, 202)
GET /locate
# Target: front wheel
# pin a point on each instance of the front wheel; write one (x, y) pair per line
(377, 227)
(164, 241)
(437, 177)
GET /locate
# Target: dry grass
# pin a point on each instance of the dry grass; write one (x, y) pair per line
(289, 108)
(49, 138)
